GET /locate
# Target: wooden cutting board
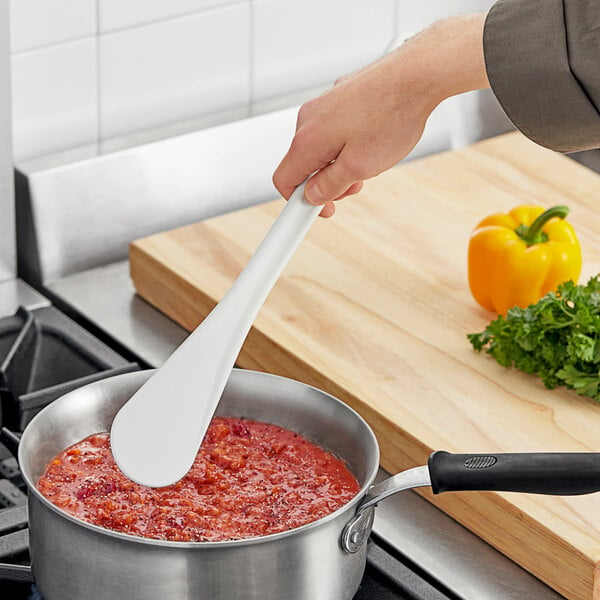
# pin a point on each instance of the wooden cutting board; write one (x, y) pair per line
(374, 308)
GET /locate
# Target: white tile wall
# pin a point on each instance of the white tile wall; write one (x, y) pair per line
(35, 23)
(85, 71)
(297, 45)
(294, 98)
(119, 14)
(414, 17)
(175, 70)
(54, 98)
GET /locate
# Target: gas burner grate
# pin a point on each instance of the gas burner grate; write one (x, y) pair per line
(43, 355)
(15, 576)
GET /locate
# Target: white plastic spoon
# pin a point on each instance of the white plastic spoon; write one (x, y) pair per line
(156, 450)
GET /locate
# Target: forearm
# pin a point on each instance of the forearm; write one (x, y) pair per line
(371, 119)
(447, 58)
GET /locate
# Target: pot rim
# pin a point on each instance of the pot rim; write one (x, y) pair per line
(135, 539)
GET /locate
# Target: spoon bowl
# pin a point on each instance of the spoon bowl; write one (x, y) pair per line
(157, 453)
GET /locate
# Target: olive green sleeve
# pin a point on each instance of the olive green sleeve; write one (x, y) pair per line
(543, 61)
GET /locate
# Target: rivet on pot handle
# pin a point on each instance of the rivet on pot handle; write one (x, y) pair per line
(554, 473)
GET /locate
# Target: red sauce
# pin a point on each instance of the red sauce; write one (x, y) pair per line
(249, 479)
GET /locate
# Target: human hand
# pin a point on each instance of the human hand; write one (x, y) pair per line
(371, 119)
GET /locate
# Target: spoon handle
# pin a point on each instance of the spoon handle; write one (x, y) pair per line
(248, 293)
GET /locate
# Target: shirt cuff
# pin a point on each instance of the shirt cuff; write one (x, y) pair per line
(527, 62)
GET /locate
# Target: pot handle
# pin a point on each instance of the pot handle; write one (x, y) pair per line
(554, 473)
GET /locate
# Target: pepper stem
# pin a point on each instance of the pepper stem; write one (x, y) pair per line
(533, 233)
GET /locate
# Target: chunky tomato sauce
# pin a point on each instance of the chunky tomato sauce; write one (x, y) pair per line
(249, 479)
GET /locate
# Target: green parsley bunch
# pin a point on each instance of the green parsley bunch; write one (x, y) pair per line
(558, 338)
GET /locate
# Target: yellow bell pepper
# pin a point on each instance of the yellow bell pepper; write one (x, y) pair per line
(516, 258)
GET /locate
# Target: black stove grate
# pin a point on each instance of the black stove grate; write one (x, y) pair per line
(15, 579)
(391, 576)
(43, 355)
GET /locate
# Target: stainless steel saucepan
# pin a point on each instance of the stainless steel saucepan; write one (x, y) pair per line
(323, 560)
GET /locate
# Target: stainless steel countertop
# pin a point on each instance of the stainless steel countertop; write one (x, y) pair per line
(436, 543)
(15, 293)
(106, 297)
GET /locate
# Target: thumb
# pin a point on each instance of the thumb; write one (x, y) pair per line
(332, 181)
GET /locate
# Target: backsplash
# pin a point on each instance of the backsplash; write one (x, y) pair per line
(107, 73)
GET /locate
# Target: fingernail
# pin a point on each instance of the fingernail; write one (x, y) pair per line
(313, 193)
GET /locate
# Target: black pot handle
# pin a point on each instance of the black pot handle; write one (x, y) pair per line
(554, 473)
(18, 573)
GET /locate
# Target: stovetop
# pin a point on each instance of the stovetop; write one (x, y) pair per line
(44, 355)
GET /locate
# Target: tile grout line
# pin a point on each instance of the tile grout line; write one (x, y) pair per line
(179, 16)
(251, 70)
(58, 44)
(98, 139)
(133, 27)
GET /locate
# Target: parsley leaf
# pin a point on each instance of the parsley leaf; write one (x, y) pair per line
(557, 339)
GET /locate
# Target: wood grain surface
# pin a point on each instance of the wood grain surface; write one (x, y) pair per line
(375, 307)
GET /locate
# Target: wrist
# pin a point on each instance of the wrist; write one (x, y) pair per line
(446, 59)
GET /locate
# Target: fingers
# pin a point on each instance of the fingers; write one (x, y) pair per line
(328, 210)
(306, 155)
(318, 151)
(329, 207)
(297, 165)
(333, 181)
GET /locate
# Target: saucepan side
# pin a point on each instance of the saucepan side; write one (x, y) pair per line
(72, 559)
